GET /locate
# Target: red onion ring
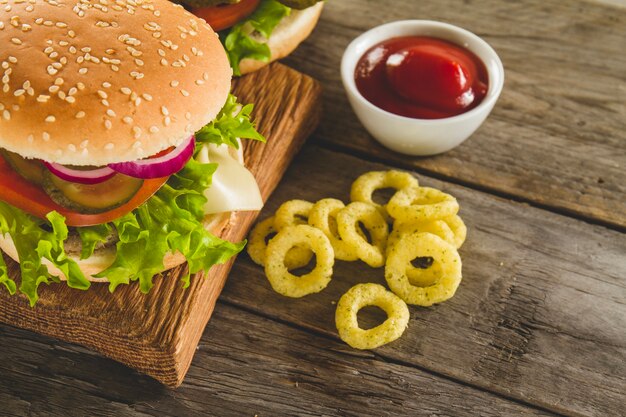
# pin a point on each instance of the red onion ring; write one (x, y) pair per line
(162, 166)
(92, 176)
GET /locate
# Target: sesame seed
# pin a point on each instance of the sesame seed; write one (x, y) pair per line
(83, 71)
(115, 68)
(80, 86)
(102, 94)
(199, 82)
(108, 124)
(138, 143)
(62, 95)
(19, 92)
(174, 83)
(43, 98)
(16, 41)
(72, 91)
(54, 88)
(154, 129)
(59, 81)
(106, 84)
(167, 121)
(111, 113)
(164, 62)
(185, 93)
(6, 115)
(51, 119)
(128, 120)
(109, 146)
(165, 111)
(137, 132)
(125, 90)
(71, 147)
(45, 136)
(147, 97)
(105, 103)
(188, 116)
(80, 114)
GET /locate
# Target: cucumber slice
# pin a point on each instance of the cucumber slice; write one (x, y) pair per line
(31, 169)
(92, 198)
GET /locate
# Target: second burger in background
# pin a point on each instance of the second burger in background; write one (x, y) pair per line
(257, 32)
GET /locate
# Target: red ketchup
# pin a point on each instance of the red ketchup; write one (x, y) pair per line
(421, 77)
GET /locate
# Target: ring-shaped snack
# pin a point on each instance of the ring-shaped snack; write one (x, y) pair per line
(323, 216)
(421, 204)
(292, 213)
(363, 295)
(297, 257)
(348, 220)
(456, 224)
(446, 261)
(364, 187)
(284, 282)
(436, 227)
(421, 277)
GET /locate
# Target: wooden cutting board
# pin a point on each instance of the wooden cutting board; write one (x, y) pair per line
(158, 333)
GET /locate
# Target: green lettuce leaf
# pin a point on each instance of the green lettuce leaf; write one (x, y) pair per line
(231, 123)
(34, 243)
(240, 45)
(170, 221)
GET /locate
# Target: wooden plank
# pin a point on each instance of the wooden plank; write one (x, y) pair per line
(246, 366)
(158, 333)
(539, 316)
(556, 138)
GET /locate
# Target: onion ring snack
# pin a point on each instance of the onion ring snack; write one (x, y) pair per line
(284, 282)
(323, 216)
(459, 229)
(364, 187)
(422, 204)
(297, 257)
(292, 213)
(363, 295)
(348, 220)
(446, 261)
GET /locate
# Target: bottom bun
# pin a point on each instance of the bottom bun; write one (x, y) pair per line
(289, 33)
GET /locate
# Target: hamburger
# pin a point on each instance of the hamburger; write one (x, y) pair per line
(119, 143)
(257, 32)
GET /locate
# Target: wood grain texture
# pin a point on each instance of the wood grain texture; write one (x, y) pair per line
(246, 365)
(158, 333)
(556, 138)
(540, 314)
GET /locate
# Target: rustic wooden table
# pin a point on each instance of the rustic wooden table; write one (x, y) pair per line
(538, 325)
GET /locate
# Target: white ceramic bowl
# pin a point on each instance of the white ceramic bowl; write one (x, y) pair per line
(420, 136)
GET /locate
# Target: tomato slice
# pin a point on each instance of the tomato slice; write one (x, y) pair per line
(227, 15)
(31, 198)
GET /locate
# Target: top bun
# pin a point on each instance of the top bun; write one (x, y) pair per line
(99, 82)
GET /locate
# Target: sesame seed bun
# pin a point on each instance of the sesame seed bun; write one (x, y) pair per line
(289, 33)
(84, 83)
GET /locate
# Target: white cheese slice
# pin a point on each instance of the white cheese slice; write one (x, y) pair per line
(234, 188)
